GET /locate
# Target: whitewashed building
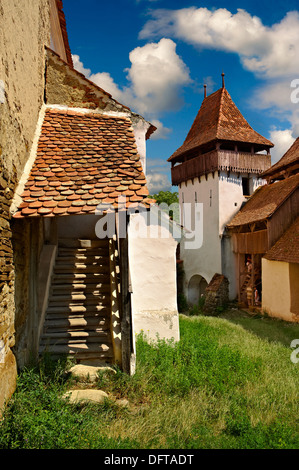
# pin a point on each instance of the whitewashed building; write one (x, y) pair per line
(216, 169)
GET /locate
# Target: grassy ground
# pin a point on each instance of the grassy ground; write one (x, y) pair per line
(229, 383)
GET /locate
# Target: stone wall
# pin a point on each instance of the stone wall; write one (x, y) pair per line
(24, 31)
(65, 86)
(216, 294)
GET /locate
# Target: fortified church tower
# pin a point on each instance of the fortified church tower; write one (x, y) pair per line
(217, 169)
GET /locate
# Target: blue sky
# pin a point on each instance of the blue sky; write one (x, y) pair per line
(155, 56)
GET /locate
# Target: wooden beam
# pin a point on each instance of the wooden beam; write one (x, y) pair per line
(126, 321)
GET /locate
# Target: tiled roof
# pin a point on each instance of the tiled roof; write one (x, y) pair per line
(287, 247)
(83, 160)
(265, 201)
(219, 119)
(288, 162)
(62, 21)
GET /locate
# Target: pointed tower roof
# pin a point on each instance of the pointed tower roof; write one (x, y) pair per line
(219, 120)
(288, 164)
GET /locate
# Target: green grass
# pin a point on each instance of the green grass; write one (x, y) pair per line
(228, 383)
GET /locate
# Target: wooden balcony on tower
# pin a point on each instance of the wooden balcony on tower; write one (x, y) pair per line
(220, 160)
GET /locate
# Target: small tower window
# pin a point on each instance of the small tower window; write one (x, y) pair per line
(245, 186)
(195, 196)
(211, 195)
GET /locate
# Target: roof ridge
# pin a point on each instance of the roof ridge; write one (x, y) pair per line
(220, 109)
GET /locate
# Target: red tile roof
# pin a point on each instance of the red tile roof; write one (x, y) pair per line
(265, 201)
(219, 119)
(287, 247)
(83, 160)
(287, 165)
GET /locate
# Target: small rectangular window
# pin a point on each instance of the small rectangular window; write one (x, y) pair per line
(245, 186)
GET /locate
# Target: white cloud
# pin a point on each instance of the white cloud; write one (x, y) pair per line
(269, 51)
(157, 75)
(162, 132)
(155, 81)
(282, 139)
(275, 99)
(155, 78)
(157, 182)
(78, 65)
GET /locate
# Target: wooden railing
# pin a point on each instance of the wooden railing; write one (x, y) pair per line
(220, 160)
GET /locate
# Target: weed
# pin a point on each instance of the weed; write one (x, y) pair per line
(220, 386)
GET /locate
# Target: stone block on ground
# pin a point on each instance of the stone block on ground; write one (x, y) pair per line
(217, 294)
(87, 395)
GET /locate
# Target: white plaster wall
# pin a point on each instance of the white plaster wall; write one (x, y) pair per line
(231, 195)
(230, 201)
(215, 254)
(77, 226)
(152, 262)
(204, 261)
(276, 299)
(140, 127)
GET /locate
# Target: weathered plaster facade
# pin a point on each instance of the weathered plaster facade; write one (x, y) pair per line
(24, 30)
(280, 289)
(152, 262)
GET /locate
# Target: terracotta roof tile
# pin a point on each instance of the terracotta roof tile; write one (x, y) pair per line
(69, 177)
(287, 247)
(219, 119)
(265, 201)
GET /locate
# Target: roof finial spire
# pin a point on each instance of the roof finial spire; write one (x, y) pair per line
(223, 84)
(205, 88)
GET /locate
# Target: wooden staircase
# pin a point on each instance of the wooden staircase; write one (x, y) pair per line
(249, 278)
(78, 317)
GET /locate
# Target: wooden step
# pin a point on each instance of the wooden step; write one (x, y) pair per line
(82, 243)
(66, 252)
(78, 317)
(73, 348)
(76, 299)
(60, 324)
(90, 309)
(80, 277)
(94, 289)
(81, 269)
(74, 334)
(82, 259)
(76, 337)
